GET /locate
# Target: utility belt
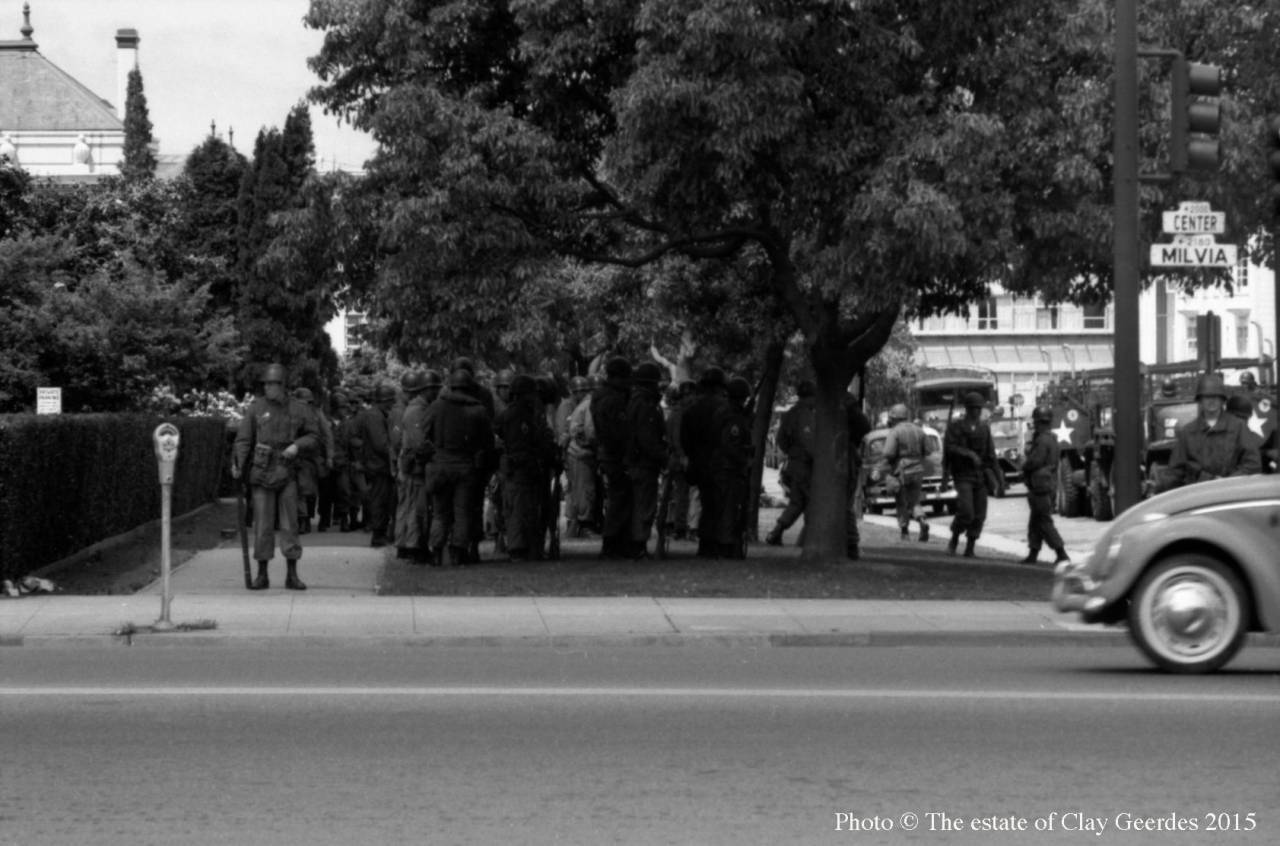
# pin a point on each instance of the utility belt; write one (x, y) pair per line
(268, 468)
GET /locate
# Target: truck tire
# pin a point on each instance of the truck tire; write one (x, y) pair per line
(1071, 498)
(1100, 497)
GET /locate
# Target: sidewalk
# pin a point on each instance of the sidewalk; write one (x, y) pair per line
(210, 605)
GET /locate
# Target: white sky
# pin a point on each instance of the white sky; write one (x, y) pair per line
(241, 63)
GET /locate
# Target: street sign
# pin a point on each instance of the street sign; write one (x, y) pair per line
(1194, 255)
(48, 400)
(1190, 223)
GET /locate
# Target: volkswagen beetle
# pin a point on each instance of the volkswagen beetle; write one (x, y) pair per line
(1192, 570)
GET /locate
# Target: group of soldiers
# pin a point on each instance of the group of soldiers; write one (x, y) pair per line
(421, 464)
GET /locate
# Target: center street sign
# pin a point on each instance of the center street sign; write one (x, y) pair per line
(1193, 223)
(1193, 226)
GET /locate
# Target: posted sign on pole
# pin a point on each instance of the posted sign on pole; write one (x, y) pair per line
(1193, 225)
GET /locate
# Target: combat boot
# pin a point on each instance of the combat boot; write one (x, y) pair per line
(291, 580)
(774, 538)
(1062, 555)
(1031, 557)
(968, 549)
(261, 582)
(903, 532)
(924, 532)
(952, 544)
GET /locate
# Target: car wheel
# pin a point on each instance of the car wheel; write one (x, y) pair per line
(1188, 614)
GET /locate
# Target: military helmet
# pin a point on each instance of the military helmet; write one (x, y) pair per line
(580, 384)
(464, 363)
(275, 373)
(898, 411)
(617, 367)
(739, 388)
(461, 378)
(523, 384)
(433, 379)
(503, 379)
(384, 392)
(973, 399)
(303, 394)
(1210, 385)
(1042, 414)
(647, 371)
(413, 381)
(712, 377)
(1240, 406)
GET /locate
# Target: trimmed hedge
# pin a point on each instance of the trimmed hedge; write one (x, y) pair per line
(68, 481)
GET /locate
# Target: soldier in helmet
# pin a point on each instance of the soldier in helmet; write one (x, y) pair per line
(646, 454)
(275, 430)
(1214, 445)
(461, 430)
(502, 390)
(968, 456)
(527, 446)
(374, 459)
(413, 509)
(313, 465)
(1040, 472)
(609, 416)
(795, 439)
(905, 448)
(730, 467)
(697, 439)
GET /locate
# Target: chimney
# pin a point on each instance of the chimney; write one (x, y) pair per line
(126, 60)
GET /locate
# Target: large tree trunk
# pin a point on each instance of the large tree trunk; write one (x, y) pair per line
(766, 393)
(824, 521)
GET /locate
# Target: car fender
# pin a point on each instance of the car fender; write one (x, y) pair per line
(1252, 550)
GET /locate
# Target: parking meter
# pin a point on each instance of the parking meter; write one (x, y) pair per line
(165, 438)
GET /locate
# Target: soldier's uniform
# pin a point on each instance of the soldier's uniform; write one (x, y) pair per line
(374, 459)
(730, 468)
(527, 450)
(697, 439)
(1040, 472)
(462, 432)
(968, 454)
(413, 505)
(1208, 448)
(646, 454)
(275, 430)
(795, 440)
(903, 458)
(580, 460)
(609, 415)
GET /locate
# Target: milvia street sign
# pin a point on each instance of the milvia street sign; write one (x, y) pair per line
(1193, 226)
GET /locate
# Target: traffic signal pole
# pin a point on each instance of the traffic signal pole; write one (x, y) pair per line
(1128, 413)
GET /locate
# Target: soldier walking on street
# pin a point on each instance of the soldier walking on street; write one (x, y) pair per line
(795, 440)
(969, 455)
(905, 448)
(274, 431)
(1040, 472)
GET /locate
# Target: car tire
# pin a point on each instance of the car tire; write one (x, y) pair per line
(1189, 614)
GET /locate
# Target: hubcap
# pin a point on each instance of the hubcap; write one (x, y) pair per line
(1190, 613)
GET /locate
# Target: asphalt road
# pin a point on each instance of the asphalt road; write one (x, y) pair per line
(684, 745)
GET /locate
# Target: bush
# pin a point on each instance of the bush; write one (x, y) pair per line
(70, 481)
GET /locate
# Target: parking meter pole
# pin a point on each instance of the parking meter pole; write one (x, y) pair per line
(166, 444)
(166, 513)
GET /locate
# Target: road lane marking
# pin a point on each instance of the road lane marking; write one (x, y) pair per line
(633, 692)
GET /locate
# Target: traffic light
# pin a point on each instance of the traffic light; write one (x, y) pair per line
(1192, 80)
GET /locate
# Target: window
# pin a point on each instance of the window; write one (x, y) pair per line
(987, 314)
(1095, 315)
(1193, 348)
(1242, 334)
(1047, 317)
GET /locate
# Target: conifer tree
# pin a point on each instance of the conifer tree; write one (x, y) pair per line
(139, 161)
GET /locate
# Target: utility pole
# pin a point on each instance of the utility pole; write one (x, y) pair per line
(1128, 414)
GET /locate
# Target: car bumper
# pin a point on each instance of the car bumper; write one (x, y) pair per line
(929, 500)
(1074, 590)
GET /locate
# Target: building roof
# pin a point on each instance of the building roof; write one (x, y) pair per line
(38, 96)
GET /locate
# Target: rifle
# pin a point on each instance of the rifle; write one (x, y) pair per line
(244, 533)
(664, 508)
(553, 515)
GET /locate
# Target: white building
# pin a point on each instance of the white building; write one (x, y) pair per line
(52, 125)
(1027, 343)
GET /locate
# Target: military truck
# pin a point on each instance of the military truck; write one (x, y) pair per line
(1083, 405)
